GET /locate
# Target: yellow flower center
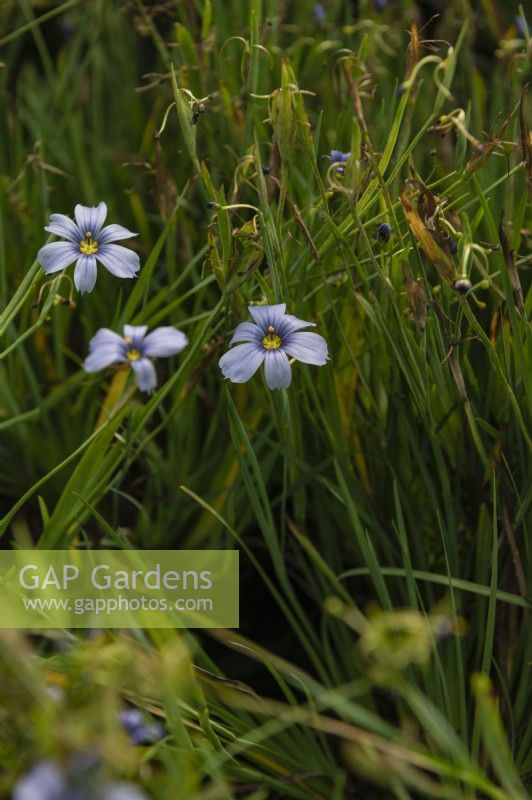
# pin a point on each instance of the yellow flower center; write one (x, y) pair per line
(271, 341)
(88, 246)
(133, 355)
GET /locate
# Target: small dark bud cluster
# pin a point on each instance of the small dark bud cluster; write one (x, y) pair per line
(200, 109)
(462, 286)
(384, 232)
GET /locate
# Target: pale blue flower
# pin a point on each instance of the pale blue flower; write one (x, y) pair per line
(44, 781)
(135, 348)
(338, 157)
(139, 731)
(88, 242)
(522, 26)
(271, 338)
(121, 790)
(47, 780)
(319, 14)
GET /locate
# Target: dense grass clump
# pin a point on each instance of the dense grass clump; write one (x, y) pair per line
(370, 165)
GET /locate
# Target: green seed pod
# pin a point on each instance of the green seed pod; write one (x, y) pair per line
(289, 117)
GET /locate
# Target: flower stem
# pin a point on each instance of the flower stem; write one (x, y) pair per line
(20, 297)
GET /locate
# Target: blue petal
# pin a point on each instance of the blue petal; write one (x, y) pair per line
(319, 14)
(338, 157)
(240, 363)
(105, 336)
(310, 348)
(131, 719)
(290, 324)
(113, 233)
(90, 218)
(522, 26)
(165, 341)
(45, 781)
(247, 332)
(267, 315)
(85, 273)
(277, 370)
(136, 333)
(64, 227)
(146, 375)
(105, 348)
(119, 260)
(57, 256)
(102, 358)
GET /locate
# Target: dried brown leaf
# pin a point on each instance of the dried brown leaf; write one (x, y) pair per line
(441, 260)
(417, 298)
(526, 143)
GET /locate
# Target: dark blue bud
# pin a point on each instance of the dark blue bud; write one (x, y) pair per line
(462, 285)
(265, 170)
(384, 232)
(400, 90)
(453, 247)
(380, 5)
(211, 204)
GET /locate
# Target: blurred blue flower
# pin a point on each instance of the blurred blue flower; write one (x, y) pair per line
(87, 242)
(271, 338)
(121, 791)
(139, 731)
(319, 14)
(44, 781)
(48, 781)
(380, 5)
(337, 157)
(384, 232)
(135, 348)
(522, 26)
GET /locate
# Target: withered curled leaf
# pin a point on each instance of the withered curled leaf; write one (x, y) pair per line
(427, 205)
(484, 150)
(428, 243)
(526, 141)
(417, 298)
